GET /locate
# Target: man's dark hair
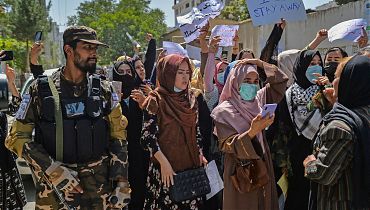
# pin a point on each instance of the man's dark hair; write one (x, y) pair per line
(73, 44)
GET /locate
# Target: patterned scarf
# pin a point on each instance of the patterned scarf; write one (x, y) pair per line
(307, 123)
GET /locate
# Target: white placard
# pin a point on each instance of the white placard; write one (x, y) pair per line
(215, 180)
(349, 30)
(226, 32)
(191, 23)
(210, 8)
(265, 12)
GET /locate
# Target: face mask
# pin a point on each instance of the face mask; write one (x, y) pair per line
(177, 90)
(220, 78)
(330, 69)
(248, 91)
(128, 83)
(311, 70)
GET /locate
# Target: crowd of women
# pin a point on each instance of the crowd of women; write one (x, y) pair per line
(181, 117)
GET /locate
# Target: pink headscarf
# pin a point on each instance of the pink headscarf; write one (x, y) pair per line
(218, 84)
(232, 109)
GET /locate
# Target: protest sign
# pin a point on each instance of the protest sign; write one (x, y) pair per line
(349, 30)
(207, 9)
(191, 23)
(226, 32)
(265, 12)
(174, 48)
(215, 180)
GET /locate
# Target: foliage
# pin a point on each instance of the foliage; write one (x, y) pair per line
(19, 49)
(236, 10)
(27, 17)
(112, 19)
(19, 21)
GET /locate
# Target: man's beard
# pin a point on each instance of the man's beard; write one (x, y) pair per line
(84, 65)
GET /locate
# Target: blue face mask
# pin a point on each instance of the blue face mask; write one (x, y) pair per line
(311, 70)
(177, 90)
(248, 91)
(220, 78)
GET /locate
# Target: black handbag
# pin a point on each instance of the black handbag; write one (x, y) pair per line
(190, 184)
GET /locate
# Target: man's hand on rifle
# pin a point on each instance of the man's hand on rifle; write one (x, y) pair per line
(63, 178)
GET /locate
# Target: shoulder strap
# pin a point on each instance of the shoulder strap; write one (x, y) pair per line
(58, 121)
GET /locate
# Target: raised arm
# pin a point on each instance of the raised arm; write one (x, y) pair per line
(320, 37)
(150, 56)
(267, 53)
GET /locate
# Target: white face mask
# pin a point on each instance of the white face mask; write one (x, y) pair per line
(177, 90)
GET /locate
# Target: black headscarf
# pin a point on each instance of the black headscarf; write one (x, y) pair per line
(354, 83)
(300, 67)
(128, 81)
(354, 92)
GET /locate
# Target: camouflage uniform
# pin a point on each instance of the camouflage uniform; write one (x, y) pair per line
(96, 177)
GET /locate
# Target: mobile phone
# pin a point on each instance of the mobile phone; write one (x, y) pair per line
(268, 109)
(7, 55)
(38, 36)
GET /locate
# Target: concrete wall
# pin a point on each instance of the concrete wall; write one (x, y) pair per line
(297, 35)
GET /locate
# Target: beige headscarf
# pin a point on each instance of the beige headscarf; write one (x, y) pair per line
(286, 60)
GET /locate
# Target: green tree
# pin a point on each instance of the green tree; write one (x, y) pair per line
(236, 10)
(90, 11)
(27, 17)
(340, 2)
(117, 18)
(5, 6)
(20, 52)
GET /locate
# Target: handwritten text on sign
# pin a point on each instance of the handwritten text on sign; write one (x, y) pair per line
(191, 23)
(349, 30)
(265, 12)
(226, 32)
(210, 8)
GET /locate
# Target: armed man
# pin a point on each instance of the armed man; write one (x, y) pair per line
(79, 153)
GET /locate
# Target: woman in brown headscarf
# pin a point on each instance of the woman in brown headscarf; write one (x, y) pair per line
(172, 136)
